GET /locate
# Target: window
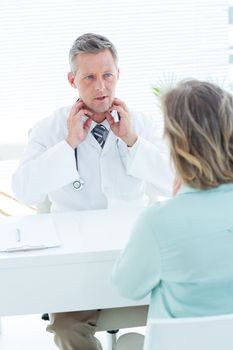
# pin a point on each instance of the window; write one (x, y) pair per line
(231, 42)
(156, 40)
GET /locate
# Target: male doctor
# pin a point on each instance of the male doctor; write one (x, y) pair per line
(93, 155)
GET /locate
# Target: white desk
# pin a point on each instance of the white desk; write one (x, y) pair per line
(75, 276)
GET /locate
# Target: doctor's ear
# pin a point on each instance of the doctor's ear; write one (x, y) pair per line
(71, 78)
(118, 73)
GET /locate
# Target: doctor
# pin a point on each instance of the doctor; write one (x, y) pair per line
(96, 154)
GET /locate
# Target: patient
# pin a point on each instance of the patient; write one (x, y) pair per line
(181, 251)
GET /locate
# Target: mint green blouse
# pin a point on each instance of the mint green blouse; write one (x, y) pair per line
(181, 251)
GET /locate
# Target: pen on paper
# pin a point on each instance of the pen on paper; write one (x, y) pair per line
(18, 235)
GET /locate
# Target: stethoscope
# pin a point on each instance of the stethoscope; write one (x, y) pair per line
(77, 184)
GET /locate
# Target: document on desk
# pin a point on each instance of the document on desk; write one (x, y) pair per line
(33, 232)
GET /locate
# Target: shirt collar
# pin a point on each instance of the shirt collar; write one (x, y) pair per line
(104, 122)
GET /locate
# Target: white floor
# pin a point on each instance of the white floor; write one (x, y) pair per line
(28, 333)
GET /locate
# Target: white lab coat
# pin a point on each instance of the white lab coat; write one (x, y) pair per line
(113, 176)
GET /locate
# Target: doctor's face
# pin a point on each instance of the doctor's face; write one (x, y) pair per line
(96, 79)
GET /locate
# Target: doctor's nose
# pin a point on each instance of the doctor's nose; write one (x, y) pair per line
(99, 85)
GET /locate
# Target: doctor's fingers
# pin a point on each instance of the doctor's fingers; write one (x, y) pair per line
(119, 102)
(124, 113)
(87, 124)
(109, 118)
(76, 107)
(77, 118)
(83, 112)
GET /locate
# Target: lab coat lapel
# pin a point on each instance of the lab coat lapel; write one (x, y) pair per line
(110, 141)
(92, 141)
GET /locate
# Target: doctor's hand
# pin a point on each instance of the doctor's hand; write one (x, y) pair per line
(122, 128)
(77, 129)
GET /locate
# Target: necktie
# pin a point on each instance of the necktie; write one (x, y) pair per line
(100, 133)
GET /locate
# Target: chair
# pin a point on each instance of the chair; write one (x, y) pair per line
(130, 341)
(199, 333)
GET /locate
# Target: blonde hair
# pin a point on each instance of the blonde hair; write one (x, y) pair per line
(199, 126)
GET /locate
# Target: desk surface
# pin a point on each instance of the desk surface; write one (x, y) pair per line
(75, 276)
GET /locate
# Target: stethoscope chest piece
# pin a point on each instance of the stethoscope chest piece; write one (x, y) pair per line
(78, 184)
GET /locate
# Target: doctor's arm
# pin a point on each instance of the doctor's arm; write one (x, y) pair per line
(138, 269)
(49, 164)
(149, 160)
(43, 169)
(148, 156)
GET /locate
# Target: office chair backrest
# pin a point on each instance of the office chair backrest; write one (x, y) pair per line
(199, 333)
(43, 207)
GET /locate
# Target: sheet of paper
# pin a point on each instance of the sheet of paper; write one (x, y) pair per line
(28, 233)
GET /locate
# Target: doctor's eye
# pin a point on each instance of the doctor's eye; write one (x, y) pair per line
(108, 75)
(88, 77)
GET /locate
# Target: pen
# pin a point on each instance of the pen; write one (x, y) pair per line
(18, 237)
(24, 248)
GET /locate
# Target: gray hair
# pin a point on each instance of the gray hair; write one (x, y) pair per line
(90, 43)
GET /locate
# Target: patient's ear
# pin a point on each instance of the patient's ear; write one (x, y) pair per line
(176, 185)
(70, 77)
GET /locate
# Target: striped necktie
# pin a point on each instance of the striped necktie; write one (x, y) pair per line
(100, 133)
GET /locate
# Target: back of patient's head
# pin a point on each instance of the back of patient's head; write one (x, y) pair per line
(199, 128)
